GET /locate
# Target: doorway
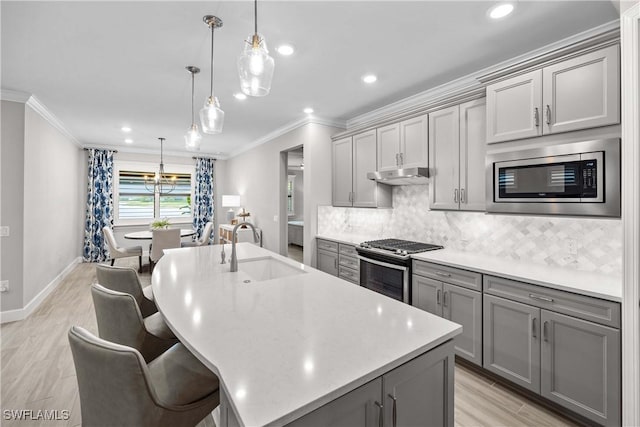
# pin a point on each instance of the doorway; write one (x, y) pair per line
(295, 204)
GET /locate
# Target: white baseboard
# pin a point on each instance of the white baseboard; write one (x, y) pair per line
(23, 313)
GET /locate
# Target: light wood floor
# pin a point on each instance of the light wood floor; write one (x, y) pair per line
(37, 369)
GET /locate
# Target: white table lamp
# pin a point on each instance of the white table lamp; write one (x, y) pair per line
(230, 201)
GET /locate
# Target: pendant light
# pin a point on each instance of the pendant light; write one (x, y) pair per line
(161, 183)
(255, 66)
(193, 137)
(211, 116)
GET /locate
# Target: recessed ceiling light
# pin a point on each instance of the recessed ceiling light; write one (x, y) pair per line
(285, 49)
(125, 129)
(240, 96)
(369, 78)
(500, 10)
(129, 141)
(308, 110)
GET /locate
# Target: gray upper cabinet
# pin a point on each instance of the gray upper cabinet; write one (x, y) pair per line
(457, 157)
(403, 145)
(577, 93)
(353, 158)
(581, 367)
(511, 341)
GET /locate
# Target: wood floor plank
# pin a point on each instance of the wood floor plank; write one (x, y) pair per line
(37, 371)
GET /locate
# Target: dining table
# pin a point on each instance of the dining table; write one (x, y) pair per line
(147, 234)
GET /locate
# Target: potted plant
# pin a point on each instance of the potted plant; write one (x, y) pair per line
(160, 223)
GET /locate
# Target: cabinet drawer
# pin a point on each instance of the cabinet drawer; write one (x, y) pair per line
(349, 274)
(348, 250)
(350, 262)
(328, 245)
(455, 276)
(580, 306)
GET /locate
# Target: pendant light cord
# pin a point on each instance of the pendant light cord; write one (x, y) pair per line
(192, 94)
(212, 29)
(255, 13)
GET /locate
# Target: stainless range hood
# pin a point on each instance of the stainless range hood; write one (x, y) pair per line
(409, 176)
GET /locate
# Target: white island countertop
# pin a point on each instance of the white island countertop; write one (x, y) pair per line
(286, 346)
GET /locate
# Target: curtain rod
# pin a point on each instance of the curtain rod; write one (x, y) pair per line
(212, 158)
(87, 149)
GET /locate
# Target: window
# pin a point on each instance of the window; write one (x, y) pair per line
(290, 194)
(135, 204)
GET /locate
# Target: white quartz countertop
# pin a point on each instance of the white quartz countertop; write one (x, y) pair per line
(286, 346)
(607, 287)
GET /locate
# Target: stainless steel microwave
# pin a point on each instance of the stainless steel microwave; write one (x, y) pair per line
(578, 178)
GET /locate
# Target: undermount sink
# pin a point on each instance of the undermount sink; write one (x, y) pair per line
(267, 268)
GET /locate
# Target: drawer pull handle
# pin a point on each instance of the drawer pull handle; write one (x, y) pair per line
(534, 333)
(540, 298)
(441, 274)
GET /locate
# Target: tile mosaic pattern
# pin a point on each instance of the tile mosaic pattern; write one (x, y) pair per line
(542, 240)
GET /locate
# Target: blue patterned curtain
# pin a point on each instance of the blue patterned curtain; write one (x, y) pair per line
(99, 211)
(203, 205)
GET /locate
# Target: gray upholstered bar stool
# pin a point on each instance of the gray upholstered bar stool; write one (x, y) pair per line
(125, 279)
(118, 388)
(120, 321)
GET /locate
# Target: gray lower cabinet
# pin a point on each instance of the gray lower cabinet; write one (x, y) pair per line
(327, 261)
(418, 393)
(511, 341)
(581, 366)
(570, 361)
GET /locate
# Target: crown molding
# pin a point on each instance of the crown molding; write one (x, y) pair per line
(426, 100)
(150, 151)
(44, 112)
(286, 129)
(14, 95)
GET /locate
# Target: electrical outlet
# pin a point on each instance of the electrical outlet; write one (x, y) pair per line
(4, 286)
(572, 247)
(4, 231)
(275, 218)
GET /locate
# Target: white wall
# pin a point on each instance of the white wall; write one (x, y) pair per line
(53, 195)
(12, 188)
(255, 175)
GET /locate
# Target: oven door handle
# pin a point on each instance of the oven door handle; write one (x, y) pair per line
(383, 264)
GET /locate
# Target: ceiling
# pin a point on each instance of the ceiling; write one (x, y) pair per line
(100, 65)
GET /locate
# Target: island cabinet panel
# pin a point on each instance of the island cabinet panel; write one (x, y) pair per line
(357, 408)
(581, 367)
(512, 341)
(418, 393)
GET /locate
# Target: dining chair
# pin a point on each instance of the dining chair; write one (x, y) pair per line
(161, 240)
(116, 251)
(117, 387)
(204, 238)
(120, 320)
(125, 279)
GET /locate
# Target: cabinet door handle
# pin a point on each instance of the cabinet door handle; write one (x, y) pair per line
(455, 195)
(397, 160)
(444, 299)
(540, 298)
(441, 274)
(335, 262)
(545, 333)
(536, 117)
(380, 414)
(534, 332)
(463, 197)
(548, 114)
(394, 410)
(438, 295)
(401, 159)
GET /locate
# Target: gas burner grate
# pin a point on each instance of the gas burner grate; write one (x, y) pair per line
(404, 245)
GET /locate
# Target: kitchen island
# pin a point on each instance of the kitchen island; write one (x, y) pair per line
(287, 341)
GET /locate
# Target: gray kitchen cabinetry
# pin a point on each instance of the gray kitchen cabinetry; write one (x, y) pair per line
(353, 158)
(455, 295)
(338, 259)
(418, 393)
(327, 256)
(577, 93)
(457, 157)
(295, 234)
(403, 144)
(571, 359)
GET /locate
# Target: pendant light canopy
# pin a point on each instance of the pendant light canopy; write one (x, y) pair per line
(193, 137)
(211, 116)
(255, 66)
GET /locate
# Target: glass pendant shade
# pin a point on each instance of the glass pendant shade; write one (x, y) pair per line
(255, 67)
(193, 138)
(211, 116)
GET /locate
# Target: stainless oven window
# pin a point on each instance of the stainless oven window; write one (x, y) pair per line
(384, 278)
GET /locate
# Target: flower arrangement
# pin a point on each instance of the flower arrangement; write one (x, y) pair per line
(160, 223)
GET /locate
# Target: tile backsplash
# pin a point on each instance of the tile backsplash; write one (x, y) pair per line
(545, 240)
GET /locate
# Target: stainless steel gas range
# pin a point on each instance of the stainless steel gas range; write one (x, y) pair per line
(385, 266)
